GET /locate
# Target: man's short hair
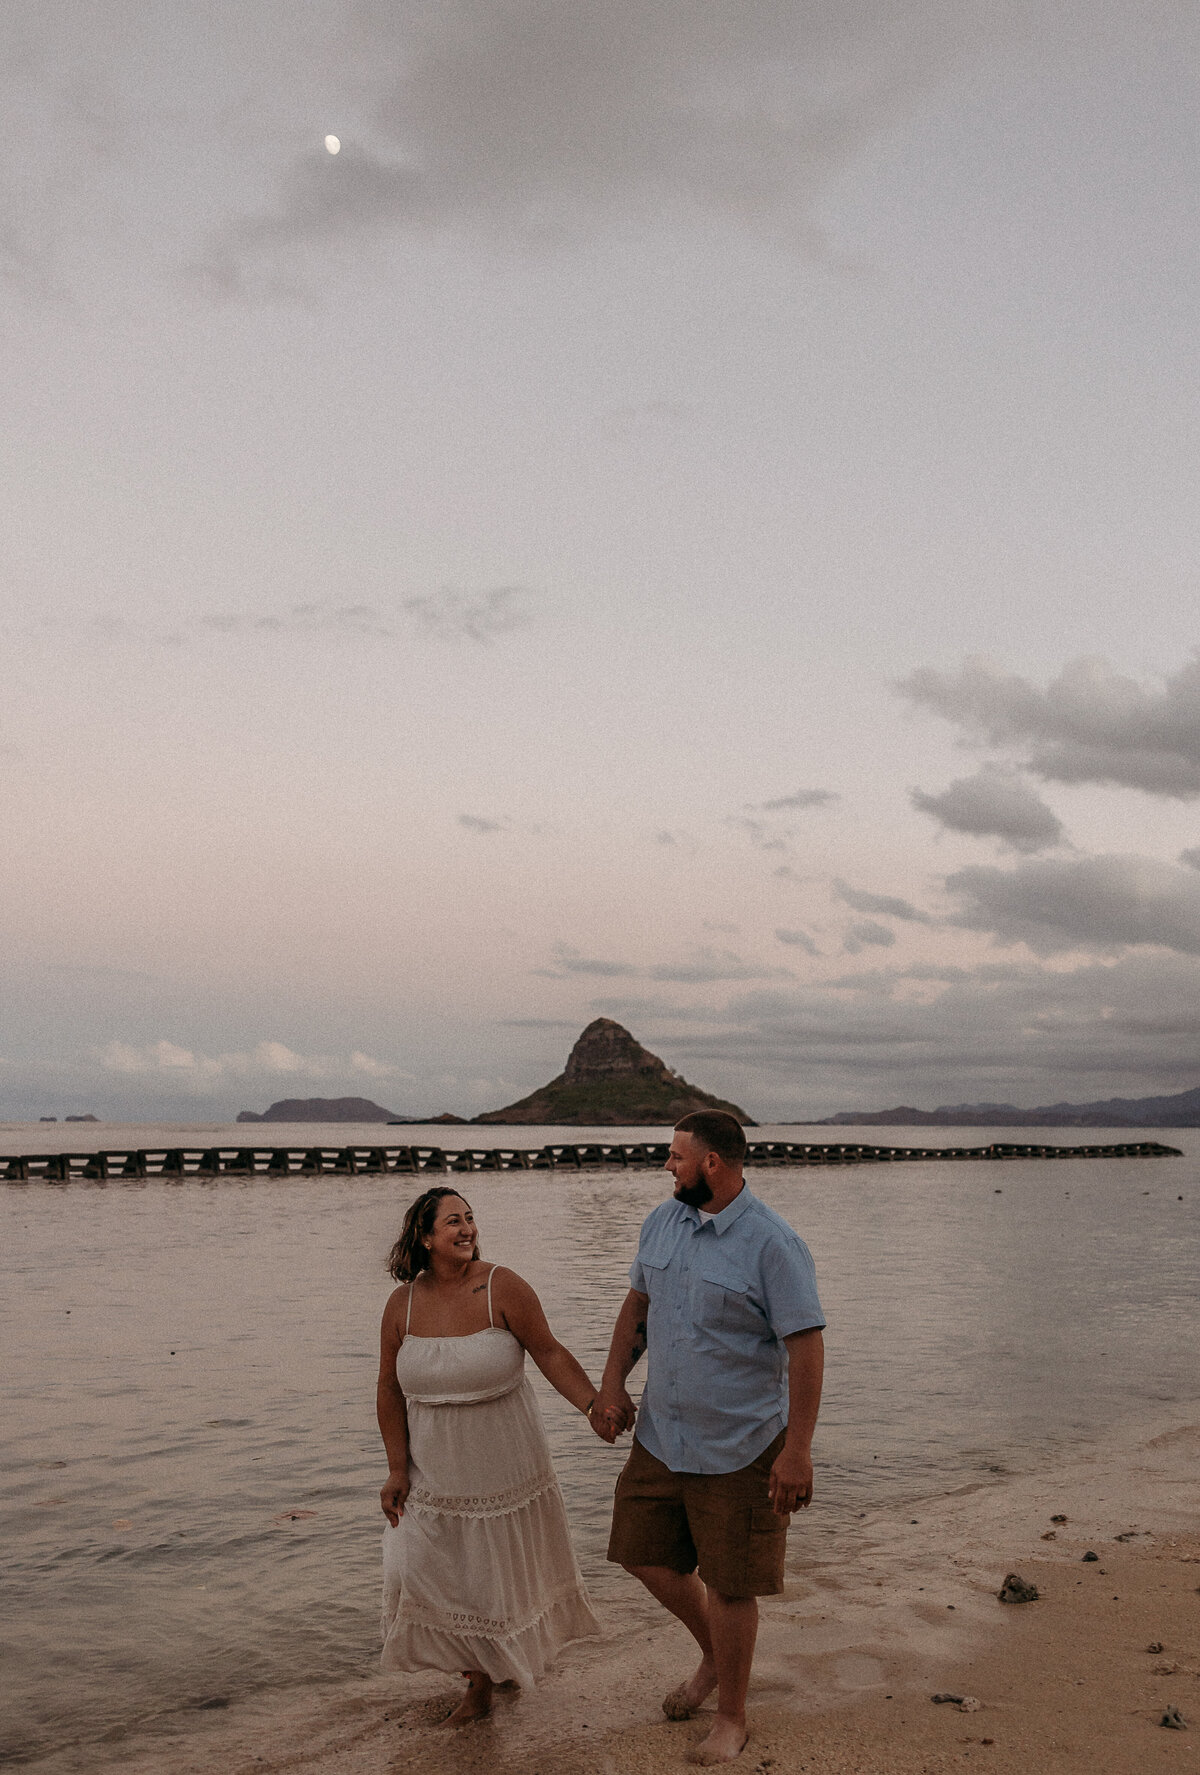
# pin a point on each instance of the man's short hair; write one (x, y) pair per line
(720, 1132)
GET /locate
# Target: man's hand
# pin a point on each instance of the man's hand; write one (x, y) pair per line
(392, 1495)
(790, 1486)
(613, 1413)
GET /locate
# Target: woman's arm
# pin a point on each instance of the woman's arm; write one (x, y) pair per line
(391, 1412)
(521, 1311)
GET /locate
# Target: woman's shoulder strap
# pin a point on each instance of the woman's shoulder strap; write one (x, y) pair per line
(408, 1314)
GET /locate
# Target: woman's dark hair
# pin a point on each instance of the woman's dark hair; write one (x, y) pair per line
(408, 1256)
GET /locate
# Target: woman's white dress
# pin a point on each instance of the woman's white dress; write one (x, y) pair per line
(479, 1573)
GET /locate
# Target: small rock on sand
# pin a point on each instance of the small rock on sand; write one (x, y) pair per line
(1016, 1589)
(1090, 1558)
(1173, 1718)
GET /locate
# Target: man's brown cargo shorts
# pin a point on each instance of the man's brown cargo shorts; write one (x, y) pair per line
(720, 1523)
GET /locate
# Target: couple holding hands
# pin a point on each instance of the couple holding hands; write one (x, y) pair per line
(479, 1572)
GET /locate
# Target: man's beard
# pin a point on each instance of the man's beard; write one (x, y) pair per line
(694, 1194)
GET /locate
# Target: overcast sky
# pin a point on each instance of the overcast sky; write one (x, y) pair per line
(689, 514)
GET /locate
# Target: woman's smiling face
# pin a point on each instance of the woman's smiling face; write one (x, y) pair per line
(453, 1235)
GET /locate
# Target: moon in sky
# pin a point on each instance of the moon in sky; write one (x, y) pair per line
(333, 145)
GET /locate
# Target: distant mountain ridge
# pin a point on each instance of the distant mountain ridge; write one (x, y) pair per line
(610, 1080)
(1182, 1110)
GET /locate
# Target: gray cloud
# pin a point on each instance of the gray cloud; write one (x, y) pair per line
(884, 905)
(1102, 903)
(1020, 1033)
(866, 933)
(1191, 857)
(537, 1023)
(477, 823)
(709, 965)
(798, 940)
(704, 967)
(569, 961)
(994, 803)
(800, 799)
(523, 118)
(474, 616)
(447, 616)
(760, 834)
(1091, 725)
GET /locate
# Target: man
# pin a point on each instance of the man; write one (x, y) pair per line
(724, 1299)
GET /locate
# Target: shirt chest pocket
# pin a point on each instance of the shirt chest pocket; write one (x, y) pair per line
(725, 1302)
(654, 1264)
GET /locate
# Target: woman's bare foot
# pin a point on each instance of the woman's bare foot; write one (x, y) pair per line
(476, 1704)
(724, 1744)
(682, 1702)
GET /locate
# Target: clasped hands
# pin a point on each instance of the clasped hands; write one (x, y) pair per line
(612, 1413)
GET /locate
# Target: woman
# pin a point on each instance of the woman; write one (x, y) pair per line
(479, 1573)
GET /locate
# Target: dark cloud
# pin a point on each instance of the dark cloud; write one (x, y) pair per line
(1091, 725)
(477, 823)
(1191, 857)
(996, 802)
(1101, 903)
(798, 940)
(867, 934)
(523, 118)
(883, 905)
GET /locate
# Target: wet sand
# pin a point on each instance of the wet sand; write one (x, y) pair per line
(848, 1659)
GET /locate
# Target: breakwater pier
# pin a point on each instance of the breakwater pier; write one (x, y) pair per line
(412, 1161)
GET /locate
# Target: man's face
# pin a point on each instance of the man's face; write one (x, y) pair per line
(685, 1162)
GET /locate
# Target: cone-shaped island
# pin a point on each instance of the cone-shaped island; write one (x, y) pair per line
(611, 1081)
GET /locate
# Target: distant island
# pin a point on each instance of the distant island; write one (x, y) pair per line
(322, 1109)
(1179, 1111)
(610, 1080)
(338, 1109)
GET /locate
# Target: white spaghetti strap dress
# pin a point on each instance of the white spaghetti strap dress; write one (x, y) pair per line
(479, 1573)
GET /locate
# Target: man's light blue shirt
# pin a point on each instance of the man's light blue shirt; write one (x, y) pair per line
(724, 1293)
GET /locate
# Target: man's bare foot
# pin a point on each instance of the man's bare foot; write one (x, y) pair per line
(476, 1704)
(724, 1744)
(682, 1702)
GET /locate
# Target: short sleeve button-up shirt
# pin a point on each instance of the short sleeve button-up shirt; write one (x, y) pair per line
(724, 1292)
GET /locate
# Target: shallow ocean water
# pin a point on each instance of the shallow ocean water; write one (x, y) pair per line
(189, 1459)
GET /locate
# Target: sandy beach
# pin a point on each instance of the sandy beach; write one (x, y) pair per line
(904, 1607)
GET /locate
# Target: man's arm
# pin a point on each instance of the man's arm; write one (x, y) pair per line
(627, 1348)
(790, 1486)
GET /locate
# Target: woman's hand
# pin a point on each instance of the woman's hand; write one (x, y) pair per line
(392, 1496)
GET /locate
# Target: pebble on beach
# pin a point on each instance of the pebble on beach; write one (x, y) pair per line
(1174, 1719)
(1016, 1589)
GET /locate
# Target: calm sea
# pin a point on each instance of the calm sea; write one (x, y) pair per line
(189, 1459)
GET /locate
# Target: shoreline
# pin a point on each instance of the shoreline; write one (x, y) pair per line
(901, 1604)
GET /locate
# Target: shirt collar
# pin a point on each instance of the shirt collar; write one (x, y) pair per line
(721, 1222)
